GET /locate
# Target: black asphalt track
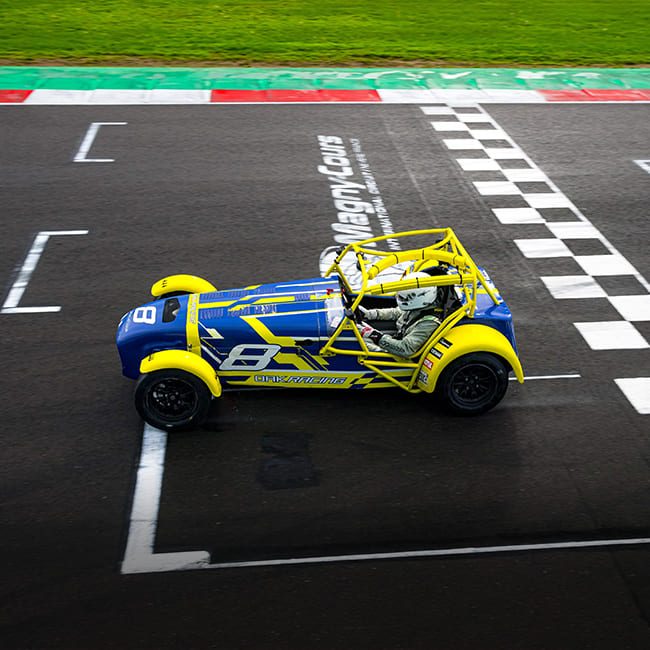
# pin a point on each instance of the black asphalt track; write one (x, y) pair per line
(232, 193)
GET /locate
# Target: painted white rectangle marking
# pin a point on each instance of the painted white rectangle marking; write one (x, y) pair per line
(573, 286)
(463, 143)
(632, 308)
(120, 96)
(547, 200)
(52, 97)
(88, 140)
(474, 118)
(489, 134)
(449, 126)
(505, 153)
(605, 265)
(574, 230)
(500, 96)
(496, 188)
(405, 96)
(612, 335)
(637, 391)
(534, 248)
(478, 164)
(437, 110)
(524, 175)
(459, 96)
(179, 96)
(18, 288)
(517, 215)
(644, 164)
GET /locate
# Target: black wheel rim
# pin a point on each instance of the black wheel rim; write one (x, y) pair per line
(172, 400)
(474, 385)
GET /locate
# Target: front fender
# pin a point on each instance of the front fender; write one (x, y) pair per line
(462, 340)
(184, 283)
(186, 361)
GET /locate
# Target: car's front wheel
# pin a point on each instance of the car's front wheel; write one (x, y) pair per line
(172, 399)
(473, 384)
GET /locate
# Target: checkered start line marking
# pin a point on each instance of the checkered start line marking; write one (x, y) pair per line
(540, 201)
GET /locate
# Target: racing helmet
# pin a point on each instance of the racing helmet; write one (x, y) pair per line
(417, 297)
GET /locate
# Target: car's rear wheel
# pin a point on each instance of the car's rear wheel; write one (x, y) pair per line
(172, 399)
(473, 384)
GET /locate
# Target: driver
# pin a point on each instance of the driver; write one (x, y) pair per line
(413, 317)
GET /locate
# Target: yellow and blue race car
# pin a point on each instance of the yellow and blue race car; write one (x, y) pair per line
(193, 340)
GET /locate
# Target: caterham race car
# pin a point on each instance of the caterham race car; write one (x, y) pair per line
(193, 340)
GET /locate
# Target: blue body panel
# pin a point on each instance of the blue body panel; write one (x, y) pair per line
(239, 328)
(302, 310)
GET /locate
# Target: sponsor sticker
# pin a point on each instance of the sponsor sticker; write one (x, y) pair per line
(428, 363)
(299, 379)
(436, 353)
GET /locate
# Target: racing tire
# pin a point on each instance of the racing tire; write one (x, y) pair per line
(472, 384)
(172, 400)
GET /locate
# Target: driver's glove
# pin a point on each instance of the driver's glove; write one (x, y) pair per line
(362, 311)
(369, 332)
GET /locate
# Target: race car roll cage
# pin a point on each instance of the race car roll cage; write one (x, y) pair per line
(447, 251)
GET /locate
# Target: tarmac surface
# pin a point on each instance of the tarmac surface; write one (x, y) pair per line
(233, 194)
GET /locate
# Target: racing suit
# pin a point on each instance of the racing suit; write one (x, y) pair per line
(413, 329)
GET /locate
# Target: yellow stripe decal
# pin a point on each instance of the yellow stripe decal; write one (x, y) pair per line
(223, 303)
(266, 301)
(266, 334)
(192, 324)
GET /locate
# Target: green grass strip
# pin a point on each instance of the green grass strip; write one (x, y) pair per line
(327, 32)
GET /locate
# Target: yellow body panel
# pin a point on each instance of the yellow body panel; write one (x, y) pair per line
(186, 283)
(461, 340)
(192, 325)
(186, 361)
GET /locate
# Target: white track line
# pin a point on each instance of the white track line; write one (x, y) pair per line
(644, 164)
(17, 290)
(535, 377)
(441, 552)
(88, 140)
(139, 556)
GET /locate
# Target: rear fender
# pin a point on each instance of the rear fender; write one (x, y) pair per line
(181, 283)
(186, 361)
(462, 340)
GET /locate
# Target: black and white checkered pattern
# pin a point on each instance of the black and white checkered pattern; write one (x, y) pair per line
(519, 192)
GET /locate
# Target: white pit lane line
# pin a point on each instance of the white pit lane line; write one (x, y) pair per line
(139, 555)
